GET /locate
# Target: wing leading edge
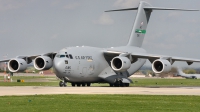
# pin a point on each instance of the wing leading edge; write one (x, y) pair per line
(32, 57)
(151, 57)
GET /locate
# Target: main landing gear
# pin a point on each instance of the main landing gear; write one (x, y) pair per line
(119, 84)
(64, 84)
(80, 84)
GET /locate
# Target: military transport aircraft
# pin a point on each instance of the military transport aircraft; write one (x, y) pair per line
(187, 76)
(84, 65)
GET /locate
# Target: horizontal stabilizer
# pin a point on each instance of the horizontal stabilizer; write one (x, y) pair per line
(122, 9)
(153, 8)
(161, 8)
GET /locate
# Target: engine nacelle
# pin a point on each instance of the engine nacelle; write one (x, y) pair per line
(120, 63)
(17, 64)
(43, 63)
(161, 66)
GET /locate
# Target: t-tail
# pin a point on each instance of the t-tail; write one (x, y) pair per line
(141, 21)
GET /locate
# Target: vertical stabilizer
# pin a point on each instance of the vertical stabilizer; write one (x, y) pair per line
(140, 25)
(141, 21)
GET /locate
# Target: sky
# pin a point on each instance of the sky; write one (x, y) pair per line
(30, 27)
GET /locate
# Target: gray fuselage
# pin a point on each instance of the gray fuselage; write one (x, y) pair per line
(85, 64)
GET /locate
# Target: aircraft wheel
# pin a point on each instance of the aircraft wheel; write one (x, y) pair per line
(78, 84)
(116, 84)
(64, 84)
(61, 83)
(111, 85)
(73, 84)
(121, 84)
(88, 84)
(83, 84)
(127, 84)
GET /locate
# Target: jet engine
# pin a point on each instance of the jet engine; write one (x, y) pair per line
(17, 64)
(161, 66)
(43, 63)
(120, 63)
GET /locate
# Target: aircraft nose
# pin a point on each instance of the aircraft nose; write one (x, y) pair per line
(59, 65)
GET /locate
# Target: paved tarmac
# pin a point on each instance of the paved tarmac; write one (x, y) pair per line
(37, 90)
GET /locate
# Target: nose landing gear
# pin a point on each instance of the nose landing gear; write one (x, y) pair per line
(62, 84)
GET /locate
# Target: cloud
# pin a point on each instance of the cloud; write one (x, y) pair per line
(192, 21)
(178, 38)
(71, 5)
(55, 36)
(104, 19)
(126, 3)
(55, 2)
(174, 14)
(3, 31)
(161, 46)
(167, 46)
(10, 5)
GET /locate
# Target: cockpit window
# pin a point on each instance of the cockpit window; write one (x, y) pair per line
(58, 55)
(62, 56)
(70, 56)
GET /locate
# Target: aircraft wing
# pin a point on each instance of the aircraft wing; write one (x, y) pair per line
(150, 57)
(32, 57)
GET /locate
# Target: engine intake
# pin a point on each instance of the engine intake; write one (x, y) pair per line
(43, 63)
(120, 63)
(161, 66)
(17, 64)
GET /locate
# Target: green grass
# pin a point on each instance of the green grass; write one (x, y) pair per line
(159, 82)
(31, 81)
(137, 82)
(31, 77)
(99, 103)
(28, 83)
(165, 82)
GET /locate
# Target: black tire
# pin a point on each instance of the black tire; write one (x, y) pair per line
(88, 84)
(127, 84)
(111, 85)
(78, 84)
(61, 83)
(83, 84)
(122, 84)
(64, 84)
(73, 84)
(116, 84)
